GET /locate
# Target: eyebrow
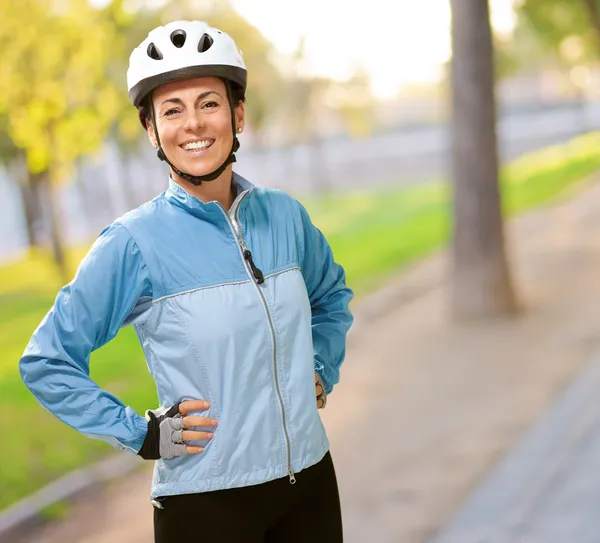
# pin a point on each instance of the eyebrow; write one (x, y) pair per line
(200, 97)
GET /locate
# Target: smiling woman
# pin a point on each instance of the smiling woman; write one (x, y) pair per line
(240, 308)
(195, 128)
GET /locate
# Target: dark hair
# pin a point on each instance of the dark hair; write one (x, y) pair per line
(237, 94)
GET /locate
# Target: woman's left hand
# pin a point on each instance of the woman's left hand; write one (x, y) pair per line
(320, 392)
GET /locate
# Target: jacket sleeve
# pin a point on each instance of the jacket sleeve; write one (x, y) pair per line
(329, 299)
(111, 286)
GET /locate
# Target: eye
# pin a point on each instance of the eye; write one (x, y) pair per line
(210, 105)
(170, 112)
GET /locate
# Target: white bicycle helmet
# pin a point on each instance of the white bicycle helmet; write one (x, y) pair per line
(183, 50)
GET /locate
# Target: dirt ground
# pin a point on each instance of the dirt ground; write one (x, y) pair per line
(426, 407)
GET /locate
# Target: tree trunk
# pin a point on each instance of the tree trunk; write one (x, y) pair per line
(31, 209)
(56, 235)
(320, 179)
(54, 222)
(594, 15)
(128, 191)
(481, 278)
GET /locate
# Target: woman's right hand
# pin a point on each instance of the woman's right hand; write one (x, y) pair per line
(195, 422)
(169, 430)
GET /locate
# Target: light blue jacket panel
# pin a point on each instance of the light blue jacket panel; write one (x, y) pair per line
(175, 269)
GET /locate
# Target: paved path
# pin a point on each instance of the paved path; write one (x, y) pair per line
(547, 490)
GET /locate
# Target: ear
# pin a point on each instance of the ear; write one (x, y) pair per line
(151, 134)
(239, 116)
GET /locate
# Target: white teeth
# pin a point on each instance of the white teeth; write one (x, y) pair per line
(195, 145)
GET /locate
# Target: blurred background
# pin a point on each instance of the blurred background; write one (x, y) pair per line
(473, 173)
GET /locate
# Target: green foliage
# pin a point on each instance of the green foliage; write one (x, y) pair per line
(354, 101)
(566, 28)
(129, 29)
(53, 89)
(8, 150)
(63, 86)
(521, 52)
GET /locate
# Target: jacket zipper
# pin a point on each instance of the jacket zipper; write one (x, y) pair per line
(259, 279)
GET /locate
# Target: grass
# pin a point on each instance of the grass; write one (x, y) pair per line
(57, 511)
(373, 234)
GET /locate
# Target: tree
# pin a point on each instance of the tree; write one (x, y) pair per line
(63, 93)
(354, 102)
(126, 134)
(13, 159)
(481, 279)
(568, 28)
(54, 93)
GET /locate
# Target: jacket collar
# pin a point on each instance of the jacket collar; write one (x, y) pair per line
(179, 197)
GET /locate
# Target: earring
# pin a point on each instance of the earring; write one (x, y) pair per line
(240, 130)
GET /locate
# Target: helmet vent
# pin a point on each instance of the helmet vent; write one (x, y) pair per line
(154, 53)
(205, 43)
(178, 38)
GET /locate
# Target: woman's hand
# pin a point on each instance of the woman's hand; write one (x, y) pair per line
(195, 422)
(169, 430)
(320, 392)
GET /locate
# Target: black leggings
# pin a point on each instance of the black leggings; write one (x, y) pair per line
(272, 512)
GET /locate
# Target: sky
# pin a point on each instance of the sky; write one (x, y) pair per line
(396, 42)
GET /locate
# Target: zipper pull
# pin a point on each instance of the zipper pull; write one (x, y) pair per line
(292, 477)
(258, 275)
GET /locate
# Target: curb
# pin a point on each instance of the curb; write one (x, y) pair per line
(29, 511)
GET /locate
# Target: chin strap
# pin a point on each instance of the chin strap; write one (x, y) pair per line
(198, 179)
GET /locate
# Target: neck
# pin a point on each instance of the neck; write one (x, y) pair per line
(220, 190)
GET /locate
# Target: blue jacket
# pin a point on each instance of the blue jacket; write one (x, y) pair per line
(176, 269)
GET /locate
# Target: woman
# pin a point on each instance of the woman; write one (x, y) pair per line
(239, 307)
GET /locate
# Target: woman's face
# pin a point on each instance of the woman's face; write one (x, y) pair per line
(193, 120)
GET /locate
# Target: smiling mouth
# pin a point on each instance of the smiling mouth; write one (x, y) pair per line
(197, 147)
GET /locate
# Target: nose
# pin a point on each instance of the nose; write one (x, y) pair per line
(193, 121)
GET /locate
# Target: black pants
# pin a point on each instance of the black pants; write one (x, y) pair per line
(273, 512)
